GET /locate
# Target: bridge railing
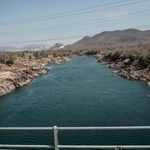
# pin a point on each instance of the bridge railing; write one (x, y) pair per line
(56, 145)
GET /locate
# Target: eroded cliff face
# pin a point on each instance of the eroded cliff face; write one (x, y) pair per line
(20, 74)
(127, 67)
(10, 80)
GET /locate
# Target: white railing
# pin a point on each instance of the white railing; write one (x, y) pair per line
(56, 146)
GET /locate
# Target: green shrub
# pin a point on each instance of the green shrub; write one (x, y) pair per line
(113, 56)
(144, 62)
(10, 61)
(92, 52)
(127, 56)
(6, 60)
(131, 57)
(37, 54)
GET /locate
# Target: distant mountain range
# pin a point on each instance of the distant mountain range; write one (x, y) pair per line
(7, 48)
(33, 46)
(57, 46)
(26, 47)
(113, 38)
(103, 39)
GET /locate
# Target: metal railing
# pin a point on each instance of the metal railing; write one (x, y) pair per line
(56, 145)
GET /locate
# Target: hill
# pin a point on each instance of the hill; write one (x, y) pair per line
(33, 46)
(8, 48)
(113, 38)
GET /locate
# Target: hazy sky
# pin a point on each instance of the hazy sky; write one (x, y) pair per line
(49, 21)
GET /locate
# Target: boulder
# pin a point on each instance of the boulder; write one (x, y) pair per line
(148, 83)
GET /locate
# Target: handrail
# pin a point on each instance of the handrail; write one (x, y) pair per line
(56, 146)
(25, 146)
(105, 146)
(79, 128)
(26, 128)
(106, 128)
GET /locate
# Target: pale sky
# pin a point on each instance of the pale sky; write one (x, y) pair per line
(49, 21)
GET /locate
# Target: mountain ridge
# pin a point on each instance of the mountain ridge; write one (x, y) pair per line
(113, 38)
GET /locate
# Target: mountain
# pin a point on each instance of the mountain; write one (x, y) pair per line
(8, 48)
(57, 46)
(113, 38)
(33, 46)
(26, 47)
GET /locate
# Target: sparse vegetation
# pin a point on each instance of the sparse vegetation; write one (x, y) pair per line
(144, 62)
(4, 59)
(92, 52)
(10, 62)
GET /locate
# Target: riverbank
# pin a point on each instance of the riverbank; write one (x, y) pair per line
(130, 67)
(22, 72)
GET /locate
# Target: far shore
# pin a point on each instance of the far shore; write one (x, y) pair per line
(127, 68)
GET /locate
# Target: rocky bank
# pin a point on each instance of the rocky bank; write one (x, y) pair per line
(20, 74)
(127, 67)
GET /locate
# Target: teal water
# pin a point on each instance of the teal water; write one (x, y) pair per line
(80, 92)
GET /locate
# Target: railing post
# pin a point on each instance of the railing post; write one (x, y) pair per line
(118, 148)
(56, 138)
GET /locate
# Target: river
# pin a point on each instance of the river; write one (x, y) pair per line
(80, 92)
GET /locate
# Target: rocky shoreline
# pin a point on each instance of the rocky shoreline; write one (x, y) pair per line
(22, 73)
(126, 68)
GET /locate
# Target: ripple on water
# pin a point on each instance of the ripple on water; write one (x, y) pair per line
(80, 92)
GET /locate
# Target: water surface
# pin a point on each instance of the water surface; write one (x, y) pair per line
(80, 92)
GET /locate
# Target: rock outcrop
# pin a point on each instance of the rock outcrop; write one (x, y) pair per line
(127, 68)
(10, 80)
(21, 74)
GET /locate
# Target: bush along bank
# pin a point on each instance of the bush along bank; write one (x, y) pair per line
(128, 65)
